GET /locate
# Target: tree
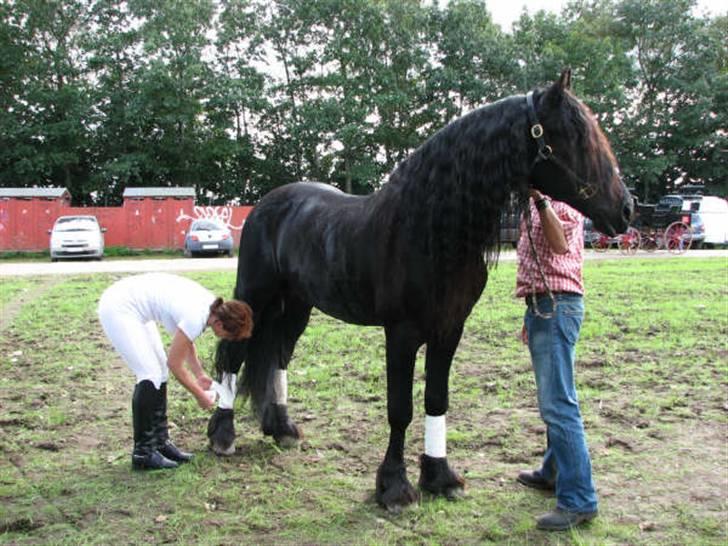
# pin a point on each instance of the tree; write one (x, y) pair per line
(46, 104)
(474, 62)
(672, 132)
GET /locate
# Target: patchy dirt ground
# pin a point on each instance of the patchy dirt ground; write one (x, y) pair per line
(656, 415)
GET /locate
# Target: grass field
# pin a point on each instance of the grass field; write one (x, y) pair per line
(652, 372)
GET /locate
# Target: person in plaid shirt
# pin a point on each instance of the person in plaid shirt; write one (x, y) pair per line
(551, 329)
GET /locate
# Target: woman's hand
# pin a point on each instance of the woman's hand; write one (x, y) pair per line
(180, 348)
(204, 381)
(204, 401)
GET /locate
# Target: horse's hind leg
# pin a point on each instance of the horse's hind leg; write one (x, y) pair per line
(393, 489)
(285, 330)
(436, 476)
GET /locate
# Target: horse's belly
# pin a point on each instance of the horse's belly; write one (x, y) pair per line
(343, 299)
(350, 315)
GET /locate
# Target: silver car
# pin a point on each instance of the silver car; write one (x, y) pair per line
(77, 237)
(208, 237)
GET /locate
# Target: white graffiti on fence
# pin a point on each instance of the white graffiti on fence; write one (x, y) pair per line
(221, 215)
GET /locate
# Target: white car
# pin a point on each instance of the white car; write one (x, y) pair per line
(77, 237)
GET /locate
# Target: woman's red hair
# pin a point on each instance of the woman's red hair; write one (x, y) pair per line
(236, 317)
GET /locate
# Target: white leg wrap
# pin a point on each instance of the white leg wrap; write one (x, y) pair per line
(280, 386)
(226, 390)
(435, 436)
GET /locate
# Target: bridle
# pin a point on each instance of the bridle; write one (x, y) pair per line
(585, 191)
(546, 153)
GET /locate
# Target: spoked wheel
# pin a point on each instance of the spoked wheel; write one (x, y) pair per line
(678, 237)
(630, 241)
(600, 242)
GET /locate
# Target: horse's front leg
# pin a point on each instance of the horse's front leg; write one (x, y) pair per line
(393, 489)
(221, 427)
(436, 476)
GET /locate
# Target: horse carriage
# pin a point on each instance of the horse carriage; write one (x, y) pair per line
(652, 228)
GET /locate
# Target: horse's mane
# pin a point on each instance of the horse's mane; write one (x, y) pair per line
(457, 184)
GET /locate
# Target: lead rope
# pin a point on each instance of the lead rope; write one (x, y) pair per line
(536, 311)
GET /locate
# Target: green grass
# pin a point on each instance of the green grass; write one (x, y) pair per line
(652, 377)
(109, 252)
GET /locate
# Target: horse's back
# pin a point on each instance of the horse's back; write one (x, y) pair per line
(314, 243)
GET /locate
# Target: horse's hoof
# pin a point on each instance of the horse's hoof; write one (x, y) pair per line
(437, 478)
(221, 432)
(287, 442)
(276, 423)
(393, 490)
(222, 451)
(455, 493)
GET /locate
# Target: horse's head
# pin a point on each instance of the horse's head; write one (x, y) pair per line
(574, 162)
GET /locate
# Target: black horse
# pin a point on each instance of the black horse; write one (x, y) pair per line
(413, 257)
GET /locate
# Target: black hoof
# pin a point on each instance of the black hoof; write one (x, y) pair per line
(221, 432)
(393, 490)
(437, 478)
(276, 423)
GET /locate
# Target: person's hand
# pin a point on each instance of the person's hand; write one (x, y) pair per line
(535, 194)
(205, 401)
(204, 381)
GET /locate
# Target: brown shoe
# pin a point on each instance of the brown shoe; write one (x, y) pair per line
(534, 480)
(562, 520)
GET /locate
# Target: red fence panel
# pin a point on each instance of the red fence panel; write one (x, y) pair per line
(149, 223)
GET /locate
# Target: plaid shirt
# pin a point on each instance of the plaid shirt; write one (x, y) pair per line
(563, 272)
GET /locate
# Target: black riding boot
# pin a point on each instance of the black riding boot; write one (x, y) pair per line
(143, 404)
(161, 431)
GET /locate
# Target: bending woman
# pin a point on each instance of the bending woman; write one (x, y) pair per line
(129, 310)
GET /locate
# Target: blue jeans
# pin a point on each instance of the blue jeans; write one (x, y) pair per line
(552, 344)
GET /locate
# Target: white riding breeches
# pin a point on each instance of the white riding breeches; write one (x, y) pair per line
(138, 343)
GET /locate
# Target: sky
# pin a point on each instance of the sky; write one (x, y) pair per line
(505, 12)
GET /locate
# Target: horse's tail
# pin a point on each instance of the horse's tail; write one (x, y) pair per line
(229, 356)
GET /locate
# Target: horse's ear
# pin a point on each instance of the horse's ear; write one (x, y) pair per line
(565, 79)
(555, 93)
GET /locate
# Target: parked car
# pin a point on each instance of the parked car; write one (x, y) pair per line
(709, 216)
(77, 237)
(208, 237)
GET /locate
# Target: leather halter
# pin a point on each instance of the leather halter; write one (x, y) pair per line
(546, 153)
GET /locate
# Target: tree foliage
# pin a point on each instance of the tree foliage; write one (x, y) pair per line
(236, 97)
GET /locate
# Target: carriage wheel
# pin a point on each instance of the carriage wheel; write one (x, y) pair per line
(600, 242)
(678, 237)
(629, 242)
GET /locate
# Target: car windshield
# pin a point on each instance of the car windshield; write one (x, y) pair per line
(76, 224)
(206, 225)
